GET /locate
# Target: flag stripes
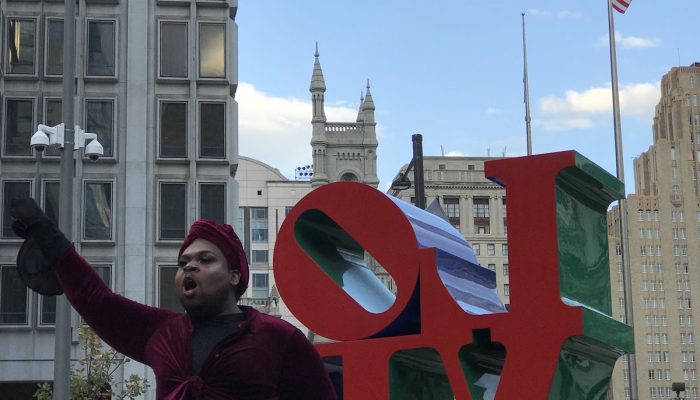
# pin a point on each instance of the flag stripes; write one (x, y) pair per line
(620, 5)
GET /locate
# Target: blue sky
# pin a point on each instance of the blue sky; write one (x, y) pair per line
(452, 70)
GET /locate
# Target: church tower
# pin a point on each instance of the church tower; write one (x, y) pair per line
(342, 151)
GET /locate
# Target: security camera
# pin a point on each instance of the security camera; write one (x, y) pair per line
(39, 141)
(94, 150)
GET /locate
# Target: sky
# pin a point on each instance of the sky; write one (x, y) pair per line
(452, 70)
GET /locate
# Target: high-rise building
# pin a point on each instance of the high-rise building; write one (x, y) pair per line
(474, 205)
(663, 218)
(156, 81)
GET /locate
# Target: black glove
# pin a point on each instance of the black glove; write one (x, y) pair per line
(32, 222)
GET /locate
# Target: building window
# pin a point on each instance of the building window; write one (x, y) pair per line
(173, 49)
(54, 47)
(506, 289)
(173, 129)
(212, 201)
(258, 224)
(53, 115)
(21, 46)
(212, 130)
(482, 229)
(100, 48)
(212, 50)
(47, 312)
(260, 285)
(504, 249)
(14, 297)
(480, 211)
(259, 256)
(491, 249)
(349, 177)
(19, 127)
(173, 211)
(676, 193)
(51, 191)
(287, 210)
(97, 207)
(481, 207)
(477, 249)
(167, 298)
(505, 269)
(452, 210)
(12, 190)
(99, 119)
(491, 267)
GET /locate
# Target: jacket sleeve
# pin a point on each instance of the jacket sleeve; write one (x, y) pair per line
(303, 375)
(122, 323)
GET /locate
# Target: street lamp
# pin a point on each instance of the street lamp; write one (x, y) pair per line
(76, 138)
(54, 135)
(678, 387)
(403, 183)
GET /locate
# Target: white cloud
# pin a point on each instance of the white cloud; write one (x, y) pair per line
(559, 14)
(629, 42)
(577, 110)
(277, 130)
(455, 154)
(493, 111)
(539, 13)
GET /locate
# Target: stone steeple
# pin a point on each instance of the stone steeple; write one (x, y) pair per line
(360, 117)
(342, 151)
(317, 89)
(368, 107)
(318, 122)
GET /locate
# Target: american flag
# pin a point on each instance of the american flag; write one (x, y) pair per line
(620, 5)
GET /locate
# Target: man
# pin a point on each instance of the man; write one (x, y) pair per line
(217, 350)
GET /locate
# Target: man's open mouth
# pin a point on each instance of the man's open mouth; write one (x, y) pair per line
(189, 285)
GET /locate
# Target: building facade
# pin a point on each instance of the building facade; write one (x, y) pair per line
(156, 81)
(266, 197)
(342, 151)
(474, 205)
(664, 246)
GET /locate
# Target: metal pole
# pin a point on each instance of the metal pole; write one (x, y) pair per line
(418, 170)
(61, 368)
(626, 275)
(527, 93)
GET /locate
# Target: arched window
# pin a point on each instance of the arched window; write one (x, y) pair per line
(349, 177)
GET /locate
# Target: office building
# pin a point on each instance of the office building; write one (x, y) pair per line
(155, 80)
(663, 218)
(474, 205)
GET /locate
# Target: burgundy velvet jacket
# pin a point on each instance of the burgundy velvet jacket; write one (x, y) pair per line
(267, 359)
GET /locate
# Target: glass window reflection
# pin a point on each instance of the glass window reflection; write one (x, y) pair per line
(212, 50)
(100, 48)
(98, 211)
(21, 46)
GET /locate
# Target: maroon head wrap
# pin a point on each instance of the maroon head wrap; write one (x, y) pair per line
(227, 241)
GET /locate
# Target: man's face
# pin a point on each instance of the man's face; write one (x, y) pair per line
(204, 282)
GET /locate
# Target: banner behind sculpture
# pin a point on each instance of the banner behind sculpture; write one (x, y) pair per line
(444, 334)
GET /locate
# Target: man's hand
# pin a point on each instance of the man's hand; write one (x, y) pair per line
(31, 221)
(28, 217)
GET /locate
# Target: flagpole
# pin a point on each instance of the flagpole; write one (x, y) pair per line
(527, 93)
(622, 204)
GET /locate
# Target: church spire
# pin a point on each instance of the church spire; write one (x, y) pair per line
(317, 82)
(362, 103)
(368, 106)
(317, 89)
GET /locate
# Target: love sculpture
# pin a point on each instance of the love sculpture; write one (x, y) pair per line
(445, 334)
